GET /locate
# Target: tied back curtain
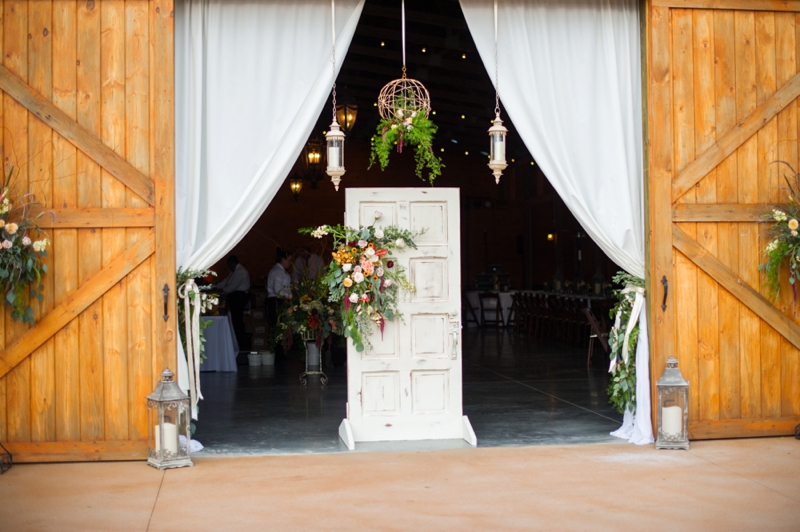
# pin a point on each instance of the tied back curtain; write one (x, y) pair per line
(569, 78)
(251, 81)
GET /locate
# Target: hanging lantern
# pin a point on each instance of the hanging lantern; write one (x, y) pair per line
(168, 419)
(335, 141)
(497, 138)
(346, 114)
(296, 185)
(335, 137)
(673, 416)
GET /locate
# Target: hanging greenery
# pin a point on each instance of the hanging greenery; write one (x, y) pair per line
(622, 388)
(400, 130)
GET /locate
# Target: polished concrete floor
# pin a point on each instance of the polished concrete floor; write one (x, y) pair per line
(516, 393)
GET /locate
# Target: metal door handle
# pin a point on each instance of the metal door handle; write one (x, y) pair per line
(666, 292)
(166, 302)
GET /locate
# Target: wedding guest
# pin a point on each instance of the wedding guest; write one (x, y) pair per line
(278, 284)
(236, 287)
(307, 265)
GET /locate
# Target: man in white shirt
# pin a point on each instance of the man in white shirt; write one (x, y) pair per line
(236, 288)
(278, 284)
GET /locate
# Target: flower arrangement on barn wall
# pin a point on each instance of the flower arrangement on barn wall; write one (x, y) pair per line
(22, 247)
(785, 243)
(364, 278)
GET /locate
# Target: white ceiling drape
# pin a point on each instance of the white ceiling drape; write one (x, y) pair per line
(569, 78)
(251, 79)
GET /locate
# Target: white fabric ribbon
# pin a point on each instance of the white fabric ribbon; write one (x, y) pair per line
(637, 294)
(190, 294)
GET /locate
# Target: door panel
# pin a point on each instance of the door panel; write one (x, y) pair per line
(722, 86)
(89, 124)
(408, 386)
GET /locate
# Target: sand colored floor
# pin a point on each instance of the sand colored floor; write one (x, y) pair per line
(719, 485)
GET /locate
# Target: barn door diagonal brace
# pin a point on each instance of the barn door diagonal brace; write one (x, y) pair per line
(736, 286)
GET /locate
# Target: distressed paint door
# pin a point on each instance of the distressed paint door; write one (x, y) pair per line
(408, 387)
(722, 89)
(88, 124)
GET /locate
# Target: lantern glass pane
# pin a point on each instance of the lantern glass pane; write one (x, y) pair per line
(671, 412)
(498, 147)
(335, 153)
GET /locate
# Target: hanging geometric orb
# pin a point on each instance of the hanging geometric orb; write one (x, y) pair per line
(402, 97)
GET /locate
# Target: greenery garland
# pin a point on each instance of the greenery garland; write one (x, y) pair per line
(207, 301)
(622, 388)
(417, 130)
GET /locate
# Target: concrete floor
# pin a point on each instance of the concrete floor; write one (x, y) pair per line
(748, 485)
(516, 393)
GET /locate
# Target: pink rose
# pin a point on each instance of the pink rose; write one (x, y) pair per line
(26, 241)
(7, 244)
(362, 243)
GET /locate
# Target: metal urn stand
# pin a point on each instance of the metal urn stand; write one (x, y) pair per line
(309, 336)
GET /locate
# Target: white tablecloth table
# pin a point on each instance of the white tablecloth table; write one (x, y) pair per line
(506, 302)
(220, 346)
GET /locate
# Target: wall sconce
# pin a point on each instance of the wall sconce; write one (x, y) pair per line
(296, 185)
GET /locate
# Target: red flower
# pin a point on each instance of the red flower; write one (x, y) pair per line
(390, 264)
(381, 252)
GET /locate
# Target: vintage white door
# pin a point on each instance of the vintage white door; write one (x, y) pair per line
(408, 387)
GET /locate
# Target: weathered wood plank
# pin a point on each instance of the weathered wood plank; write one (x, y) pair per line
(660, 171)
(734, 428)
(140, 286)
(48, 113)
(40, 141)
(683, 113)
(3, 408)
(736, 286)
(749, 5)
(115, 305)
(744, 130)
(723, 212)
(76, 303)
(727, 233)
(98, 217)
(707, 292)
(89, 240)
(747, 154)
(87, 451)
(162, 152)
(15, 133)
(65, 241)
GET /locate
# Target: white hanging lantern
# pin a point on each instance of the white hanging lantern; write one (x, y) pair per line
(335, 140)
(497, 138)
(335, 136)
(497, 133)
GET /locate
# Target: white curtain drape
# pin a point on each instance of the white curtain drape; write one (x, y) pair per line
(569, 79)
(251, 79)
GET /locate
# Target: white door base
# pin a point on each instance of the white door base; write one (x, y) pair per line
(346, 433)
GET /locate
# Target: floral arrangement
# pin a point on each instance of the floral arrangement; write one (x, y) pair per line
(622, 388)
(363, 277)
(21, 266)
(415, 129)
(785, 243)
(207, 302)
(308, 312)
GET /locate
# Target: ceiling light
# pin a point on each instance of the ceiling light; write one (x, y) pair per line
(466, 153)
(424, 50)
(463, 117)
(442, 150)
(434, 112)
(463, 56)
(383, 43)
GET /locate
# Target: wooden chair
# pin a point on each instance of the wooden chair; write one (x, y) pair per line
(468, 311)
(597, 333)
(490, 302)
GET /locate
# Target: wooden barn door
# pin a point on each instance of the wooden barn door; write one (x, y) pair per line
(88, 123)
(721, 109)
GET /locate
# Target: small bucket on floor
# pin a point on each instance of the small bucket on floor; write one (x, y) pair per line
(267, 358)
(254, 358)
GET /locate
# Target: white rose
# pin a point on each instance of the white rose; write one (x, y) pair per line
(374, 258)
(378, 214)
(400, 243)
(347, 267)
(353, 298)
(378, 233)
(358, 277)
(369, 252)
(387, 282)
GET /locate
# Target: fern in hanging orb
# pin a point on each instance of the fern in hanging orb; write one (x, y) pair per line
(404, 105)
